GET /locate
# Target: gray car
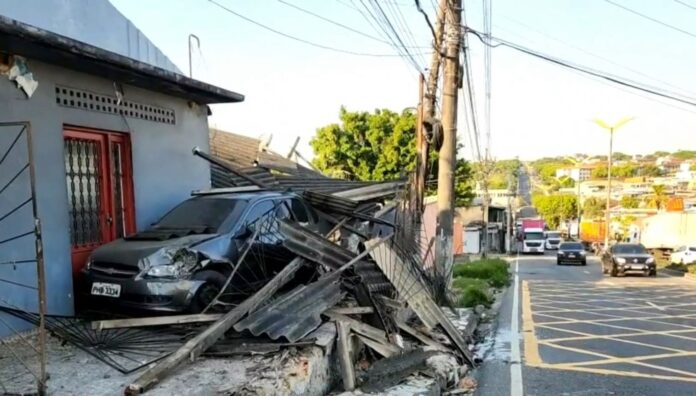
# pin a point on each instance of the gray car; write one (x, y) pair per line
(183, 261)
(626, 258)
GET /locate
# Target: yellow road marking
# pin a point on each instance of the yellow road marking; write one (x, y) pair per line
(580, 296)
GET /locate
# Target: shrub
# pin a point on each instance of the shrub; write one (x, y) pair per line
(472, 292)
(691, 268)
(493, 271)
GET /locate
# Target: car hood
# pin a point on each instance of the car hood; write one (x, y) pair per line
(131, 251)
(632, 256)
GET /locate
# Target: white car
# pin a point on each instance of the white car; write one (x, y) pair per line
(683, 255)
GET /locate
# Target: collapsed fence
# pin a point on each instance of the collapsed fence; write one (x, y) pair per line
(18, 272)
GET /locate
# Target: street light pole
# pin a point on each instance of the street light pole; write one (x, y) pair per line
(607, 218)
(611, 129)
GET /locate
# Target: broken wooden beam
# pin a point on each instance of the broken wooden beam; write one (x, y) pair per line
(421, 337)
(154, 321)
(352, 310)
(359, 327)
(345, 356)
(383, 348)
(197, 345)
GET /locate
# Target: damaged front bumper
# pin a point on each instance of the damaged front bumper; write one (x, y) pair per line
(150, 294)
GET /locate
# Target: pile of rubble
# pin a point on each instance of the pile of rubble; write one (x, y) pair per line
(365, 296)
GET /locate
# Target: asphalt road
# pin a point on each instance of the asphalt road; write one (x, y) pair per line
(524, 186)
(583, 333)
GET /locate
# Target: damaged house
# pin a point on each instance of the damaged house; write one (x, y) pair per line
(96, 131)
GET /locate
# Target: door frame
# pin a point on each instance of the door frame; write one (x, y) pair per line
(105, 139)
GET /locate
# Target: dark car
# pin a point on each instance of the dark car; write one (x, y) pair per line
(181, 262)
(624, 258)
(571, 253)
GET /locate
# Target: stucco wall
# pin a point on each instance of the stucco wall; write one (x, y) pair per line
(96, 22)
(165, 171)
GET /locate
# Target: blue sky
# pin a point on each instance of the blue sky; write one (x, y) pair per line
(538, 109)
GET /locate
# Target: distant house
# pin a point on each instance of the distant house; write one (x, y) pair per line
(579, 173)
(96, 131)
(668, 164)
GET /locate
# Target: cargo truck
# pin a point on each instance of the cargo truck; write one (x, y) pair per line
(533, 236)
(669, 230)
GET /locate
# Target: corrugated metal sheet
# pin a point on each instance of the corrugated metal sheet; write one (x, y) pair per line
(295, 314)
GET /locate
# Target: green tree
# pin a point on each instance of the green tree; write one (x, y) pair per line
(593, 207)
(693, 167)
(684, 154)
(367, 146)
(566, 182)
(555, 208)
(658, 199)
(649, 170)
(463, 182)
(629, 202)
(599, 172)
(619, 156)
(660, 153)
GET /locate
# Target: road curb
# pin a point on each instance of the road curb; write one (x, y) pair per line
(678, 274)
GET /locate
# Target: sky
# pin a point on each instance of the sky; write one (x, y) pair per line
(537, 108)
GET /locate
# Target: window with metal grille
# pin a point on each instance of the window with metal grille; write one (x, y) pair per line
(90, 101)
(84, 179)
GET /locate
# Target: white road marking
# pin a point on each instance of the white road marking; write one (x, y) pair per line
(587, 272)
(655, 306)
(516, 386)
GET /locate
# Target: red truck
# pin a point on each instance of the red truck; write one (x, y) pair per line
(532, 236)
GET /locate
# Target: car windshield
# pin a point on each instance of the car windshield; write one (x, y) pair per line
(629, 249)
(201, 213)
(533, 235)
(571, 246)
(553, 235)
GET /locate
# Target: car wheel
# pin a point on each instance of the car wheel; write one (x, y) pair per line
(653, 273)
(558, 262)
(584, 262)
(614, 272)
(206, 293)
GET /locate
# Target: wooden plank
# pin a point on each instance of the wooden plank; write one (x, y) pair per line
(154, 321)
(352, 310)
(359, 327)
(197, 345)
(386, 350)
(345, 357)
(421, 337)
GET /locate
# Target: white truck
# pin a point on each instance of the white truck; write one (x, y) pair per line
(533, 240)
(668, 230)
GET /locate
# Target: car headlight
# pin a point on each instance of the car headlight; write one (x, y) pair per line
(560, 253)
(582, 252)
(650, 260)
(621, 260)
(164, 271)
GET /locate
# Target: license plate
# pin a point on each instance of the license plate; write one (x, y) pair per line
(571, 255)
(106, 289)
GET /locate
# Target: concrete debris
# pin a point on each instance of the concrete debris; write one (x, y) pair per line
(20, 74)
(353, 305)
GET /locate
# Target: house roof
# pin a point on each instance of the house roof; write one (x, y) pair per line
(32, 42)
(244, 152)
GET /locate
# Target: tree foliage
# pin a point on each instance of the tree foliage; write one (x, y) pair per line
(379, 146)
(649, 170)
(619, 171)
(367, 146)
(629, 202)
(593, 207)
(556, 208)
(684, 154)
(658, 199)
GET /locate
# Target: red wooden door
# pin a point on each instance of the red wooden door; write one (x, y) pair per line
(99, 180)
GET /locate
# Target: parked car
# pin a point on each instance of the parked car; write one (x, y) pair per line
(683, 255)
(571, 253)
(181, 262)
(553, 240)
(624, 258)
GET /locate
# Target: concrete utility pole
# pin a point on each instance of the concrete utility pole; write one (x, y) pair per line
(448, 151)
(190, 51)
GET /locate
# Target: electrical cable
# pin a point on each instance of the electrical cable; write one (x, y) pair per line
(659, 22)
(560, 62)
(685, 4)
(427, 20)
(597, 56)
(403, 26)
(391, 31)
(314, 44)
(331, 21)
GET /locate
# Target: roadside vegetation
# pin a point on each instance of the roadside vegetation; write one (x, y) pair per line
(475, 282)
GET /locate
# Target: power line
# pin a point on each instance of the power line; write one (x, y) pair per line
(308, 12)
(667, 25)
(301, 40)
(403, 26)
(605, 59)
(487, 26)
(560, 62)
(685, 4)
(427, 20)
(383, 21)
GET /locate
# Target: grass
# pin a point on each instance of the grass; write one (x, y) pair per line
(494, 271)
(473, 281)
